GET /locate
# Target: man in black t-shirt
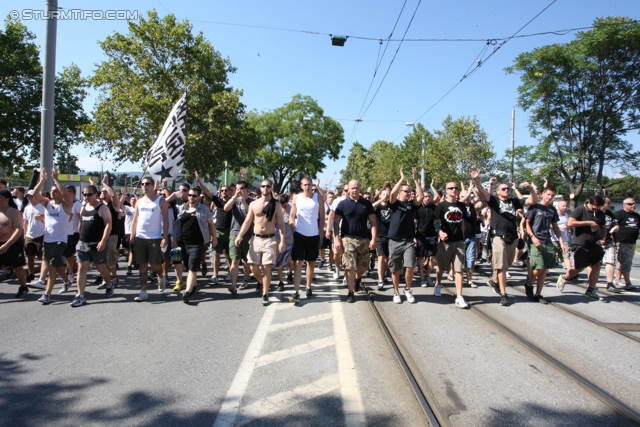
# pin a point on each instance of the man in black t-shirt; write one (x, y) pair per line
(626, 236)
(383, 219)
(608, 245)
(401, 233)
(588, 223)
(451, 247)
(504, 228)
(426, 239)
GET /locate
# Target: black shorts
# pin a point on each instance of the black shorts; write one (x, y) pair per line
(192, 256)
(126, 242)
(33, 246)
(427, 246)
(585, 256)
(72, 241)
(305, 248)
(382, 246)
(53, 253)
(14, 256)
(325, 243)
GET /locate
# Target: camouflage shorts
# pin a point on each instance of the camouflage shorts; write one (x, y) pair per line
(356, 253)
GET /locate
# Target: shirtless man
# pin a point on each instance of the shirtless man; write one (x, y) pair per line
(12, 240)
(57, 217)
(264, 213)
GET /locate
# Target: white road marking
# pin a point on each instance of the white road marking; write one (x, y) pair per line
(300, 322)
(286, 353)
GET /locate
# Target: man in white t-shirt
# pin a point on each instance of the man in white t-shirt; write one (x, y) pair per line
(33, 234)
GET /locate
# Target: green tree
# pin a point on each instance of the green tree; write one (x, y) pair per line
(387, 161)
(625, 186)
(583, 99)
(295, 140)
(145, 73)
(359, 165)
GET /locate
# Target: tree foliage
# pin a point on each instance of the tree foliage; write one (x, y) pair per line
(295, 140)
(583, 99)
(145, 73)
(21, 98)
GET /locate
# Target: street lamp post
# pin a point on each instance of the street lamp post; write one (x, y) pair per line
(422, 145)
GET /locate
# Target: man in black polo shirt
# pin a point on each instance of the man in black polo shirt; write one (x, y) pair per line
(426, 239)
(401, 233)
(589, 227)
(626, 236)
(353, 234)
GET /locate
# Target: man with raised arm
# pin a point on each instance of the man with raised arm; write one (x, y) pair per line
(57, 214)
(264, 213)
(504, 229)
(401, 233)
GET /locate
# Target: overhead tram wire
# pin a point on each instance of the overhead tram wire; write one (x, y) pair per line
(478, 65)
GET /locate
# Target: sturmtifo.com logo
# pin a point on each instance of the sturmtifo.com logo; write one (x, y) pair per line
(75, 15)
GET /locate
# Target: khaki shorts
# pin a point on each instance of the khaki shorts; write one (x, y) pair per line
(262, 251)
(451, 252)
(625, 256)
(543, 257)
(503, 254)
(356, 253)
(112, 251)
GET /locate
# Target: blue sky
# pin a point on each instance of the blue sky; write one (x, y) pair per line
(273, 64)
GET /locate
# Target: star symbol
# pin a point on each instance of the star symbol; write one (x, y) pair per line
(165, 173)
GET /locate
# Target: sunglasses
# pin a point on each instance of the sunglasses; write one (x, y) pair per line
(633, 204)
(147, 183)
(452, 188)
(88, 194)
(503, 189)
(194, 195)
(265, 186)
(406, 191)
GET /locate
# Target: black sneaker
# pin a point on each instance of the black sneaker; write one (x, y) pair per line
(539, 298)
(258, 288)
(129, 271)
(280, 287)
(504, 300)
(611, 288)
(493, 285)
(528, 289)
(321, 264)
(265, 299)
(204, 270)
(350, 297)
(31, 278)
(98, 280)
(295, 298)
(109, 291)
(22, 292)
(309, 293)
(186, 297)
(289, 278)
(357, 285)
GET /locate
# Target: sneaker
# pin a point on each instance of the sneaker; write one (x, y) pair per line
(162, 284)
(114, 282)
(504, 300)
(493, 285)
(613, 289)
(102, 285)
(528, 289)
(396, 298)
(227, 278)
(471, 283)
(381, 285)
(423, 284)
(357, 284)
(265, 299)
(630, 288)
(429, 281)
(309, 293)
(243, 285)
(98, 281)
(179, 286)
(45, 299)
(409, 295)
(295, 298)
(336, 274)
(78, 301)
(461, 303)
(321, 263)
(129, 271)
(561, 282)
(232, 288)
(618, 284)
(109, 291)
(280, 287)
(592, 294)
(71, 278)
(539, 298)
(204, 270)
(65, 288)
(437, 290)
(508, 275)
(213, 280)
(290, 278)
(22, 292)
(186, 297)
(31, 277)
(38, 284)
(350, 297)
(142, 296)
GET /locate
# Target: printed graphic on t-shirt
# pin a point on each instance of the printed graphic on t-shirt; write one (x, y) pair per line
(453, 215)
(506, 207)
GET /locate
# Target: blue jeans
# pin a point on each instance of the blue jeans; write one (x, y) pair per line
(470, 251)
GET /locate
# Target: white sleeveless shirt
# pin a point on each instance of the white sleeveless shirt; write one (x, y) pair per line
(307, 214)
(149, 225)
(56, 223)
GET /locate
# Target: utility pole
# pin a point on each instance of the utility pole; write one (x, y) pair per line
(48, 88)
(513, 143)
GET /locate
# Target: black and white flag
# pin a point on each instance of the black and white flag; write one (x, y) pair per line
(165, 158)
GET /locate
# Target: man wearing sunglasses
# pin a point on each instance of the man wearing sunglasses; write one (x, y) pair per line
(149, 233)
(95, 228)
(504, 224)
(264, 213)
(626, 236)
(238, 205)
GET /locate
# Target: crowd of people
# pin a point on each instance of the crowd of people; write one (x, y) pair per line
(406, 229)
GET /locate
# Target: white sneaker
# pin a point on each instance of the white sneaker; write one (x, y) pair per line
(437, 290)
(142, 296)
(409, 295)
(72, 278)
(336, 274)
(344, 282)
(396, 299)
(243, 285)
(423, 284)
(103, 285)
(381, 285)
(508, 275)
(39, 284)
(162, 284)
(213, 280)
(460, 302)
